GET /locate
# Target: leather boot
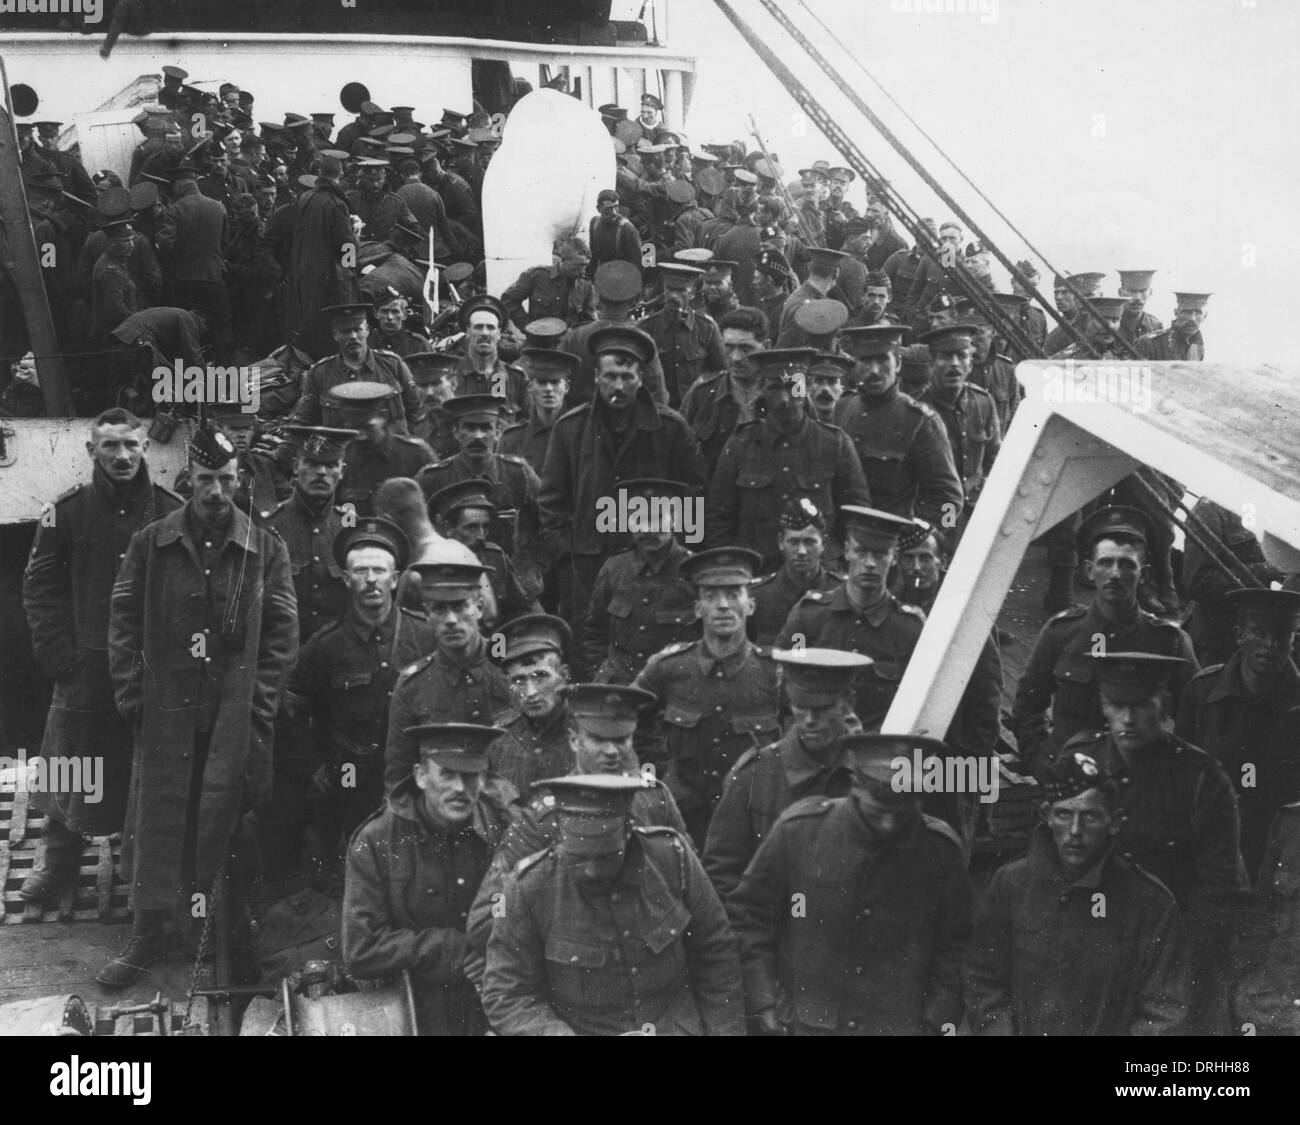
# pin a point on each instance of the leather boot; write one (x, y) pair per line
(60, 867)
(1060, 589)
(148, 945)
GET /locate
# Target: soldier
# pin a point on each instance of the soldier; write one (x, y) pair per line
(476, 426)
(1246, 713)
(595, 736)
(391, 310)
(481, 370)
(202, 633)
(876, 295)
(1060, 672)
(1043, 960)
(969, 412)
(550, 374)
(455, 683)
(883, 916)
(622, 433)
(718, 695)
(413, 869)
(1098, 330)
(641, 603)
(823, 268)
(309, 521)
(535, 742)
(379, 453)
(66, 590)
(560, 289)
(716, 405)
(1135, 288)
(638, 941)
(772, 280)
(717, 294)
(688, 343)
(901, 443)
(992, 370)
(803, 534)
(1182, 340)
(785, 457)
(1067, 304)
(1178, 814)
(861, 615)
(464, 512)
(434, 374)
(379, 210)
(807, 760)
(1029, 316)
(356, 361)
(343, 680)
(613, 238)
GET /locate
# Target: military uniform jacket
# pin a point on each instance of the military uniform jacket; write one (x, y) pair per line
(406, 900)
(762, 471)
(367, 464)
(1238, 730)
(537, 827)
(438, 689)
(1044, 961)
(511, 598)
(776, 594)
(1061, 673)
(378, 366)
(877, 950)
(654, 955)
(713, 710)
(689, 347)
(790, 335)
(760, 787)
(974, 434)
(69, 578)
(1168, 345)
(905, 455)
(515, 488)
(549, 293)
(318, 581)
(582, 385)
(403, 342)
(634, 612)
(1180, 823)
(586, 460)
(505, 381)
(1133, 328)
(526, 440)
(528, 751)
(380, 213)
(434, 429)
(887, 633)
(713, 412)
(997, 376)
(344, 677)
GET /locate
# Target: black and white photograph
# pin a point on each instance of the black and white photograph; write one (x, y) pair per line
(751, 518)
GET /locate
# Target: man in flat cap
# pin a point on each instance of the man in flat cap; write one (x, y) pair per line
(881, 913)
(823, 269)
(1182, 340)
(340, 687)
(612, 237)
(465, 512)
(309, 521)
(806, 760)
(1246, 713)
(378, 453)
(641, 603)
(618, 292)
(379, 209)
(645, 944)
(862, 615)
(1178, 814)
(688, 343)
(717, 404)
(515, 486)
(1060, 673)
(620, 434)
(1135, 288)
(413, 869)
(901, 443)
(968, 412)
(803, 532)
(66, 589)
(718, 695)
(786, 456)
(550, 373)
(355, 360)
(455, 683)
(203, 630)
(561, 289)
(434, 375)
(1043, 960)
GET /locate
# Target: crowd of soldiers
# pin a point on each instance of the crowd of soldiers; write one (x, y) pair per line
(569, 643)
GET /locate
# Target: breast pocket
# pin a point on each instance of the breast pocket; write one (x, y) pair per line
(885, 469)
(663, 962)
(761, 729)
(574, 967)
(1075, 690)
(754, 489)
(681, 727)
(352, 697)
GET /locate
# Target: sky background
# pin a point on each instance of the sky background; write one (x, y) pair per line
(1114, 133)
